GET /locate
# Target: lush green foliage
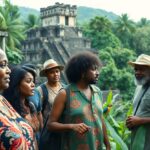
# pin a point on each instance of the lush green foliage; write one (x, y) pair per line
(124, 28)
(32, 22)
(99, 31)
(115, 73)
(10, 22)
(14, 57)
(115, 118)
(141, 40)
(116, 43)
(25, 12)
(143, 22)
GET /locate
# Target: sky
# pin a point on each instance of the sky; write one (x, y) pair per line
(136, 9)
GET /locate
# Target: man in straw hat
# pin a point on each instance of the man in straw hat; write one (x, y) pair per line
(48, 90)
(139, 122)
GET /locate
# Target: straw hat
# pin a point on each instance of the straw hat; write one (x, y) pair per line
(49, 64)
(142, 60)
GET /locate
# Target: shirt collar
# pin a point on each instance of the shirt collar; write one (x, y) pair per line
(94, 88)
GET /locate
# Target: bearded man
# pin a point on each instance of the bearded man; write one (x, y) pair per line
(139, 122)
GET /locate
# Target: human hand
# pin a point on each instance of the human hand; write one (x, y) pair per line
(133, 121)
(80, 128)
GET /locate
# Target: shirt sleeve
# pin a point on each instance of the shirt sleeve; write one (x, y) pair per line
(10, 138)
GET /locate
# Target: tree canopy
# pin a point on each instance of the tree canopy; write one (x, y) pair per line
(99, 31)
(10, 22)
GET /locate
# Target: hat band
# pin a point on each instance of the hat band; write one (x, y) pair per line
(51, 66)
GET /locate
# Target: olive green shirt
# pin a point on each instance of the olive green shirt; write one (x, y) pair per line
(143, 110)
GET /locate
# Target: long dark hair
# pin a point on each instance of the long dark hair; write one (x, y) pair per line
(12, 94)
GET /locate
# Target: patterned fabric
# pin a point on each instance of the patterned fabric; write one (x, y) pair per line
(15, 133)
(88, 112)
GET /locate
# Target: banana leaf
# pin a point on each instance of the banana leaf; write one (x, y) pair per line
(122, 145)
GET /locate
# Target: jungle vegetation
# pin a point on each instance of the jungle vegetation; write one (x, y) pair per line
(115, 41)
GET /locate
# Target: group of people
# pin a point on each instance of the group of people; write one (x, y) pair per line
(78, 114)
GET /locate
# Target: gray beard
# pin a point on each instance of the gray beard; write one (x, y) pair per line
(142, 81)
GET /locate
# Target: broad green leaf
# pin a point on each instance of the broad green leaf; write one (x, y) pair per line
(130, 111)
(109, 98)
(116, 137)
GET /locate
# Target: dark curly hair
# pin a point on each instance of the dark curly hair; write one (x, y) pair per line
(80, 64)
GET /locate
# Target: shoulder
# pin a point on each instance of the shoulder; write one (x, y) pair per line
(64, 85)
(147, 94)
(42, 89)
(62, 92)
(41, 86)
(61, 96)
(4, 102)
(39, 89)
(97, 92)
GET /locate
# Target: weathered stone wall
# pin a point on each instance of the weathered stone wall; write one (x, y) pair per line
(58, 38)
(59, 14)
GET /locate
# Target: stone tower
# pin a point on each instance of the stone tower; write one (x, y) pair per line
(59, 14)
(58, 37)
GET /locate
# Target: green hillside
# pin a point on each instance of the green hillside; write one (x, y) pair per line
(84, 14)
(24, 11)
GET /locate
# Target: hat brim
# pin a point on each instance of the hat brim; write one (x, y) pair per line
(43, 71)
(133, 64)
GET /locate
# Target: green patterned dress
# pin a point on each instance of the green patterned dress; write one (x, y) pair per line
(83, 110)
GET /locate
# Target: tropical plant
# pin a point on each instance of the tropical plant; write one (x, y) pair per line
(32, 22)
(10, 22)
(124, 28)
(115, 73)
(14, 57)
(141, 40)
(115, 116)
(143, 22)
(99, 31)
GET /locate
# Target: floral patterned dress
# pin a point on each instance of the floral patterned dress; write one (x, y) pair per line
(88, 112)
(15, 132)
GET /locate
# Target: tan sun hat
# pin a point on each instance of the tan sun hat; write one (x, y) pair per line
(143, 60)
(49, 64)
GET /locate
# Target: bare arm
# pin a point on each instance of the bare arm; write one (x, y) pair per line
(56, 112)
(106, 140)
